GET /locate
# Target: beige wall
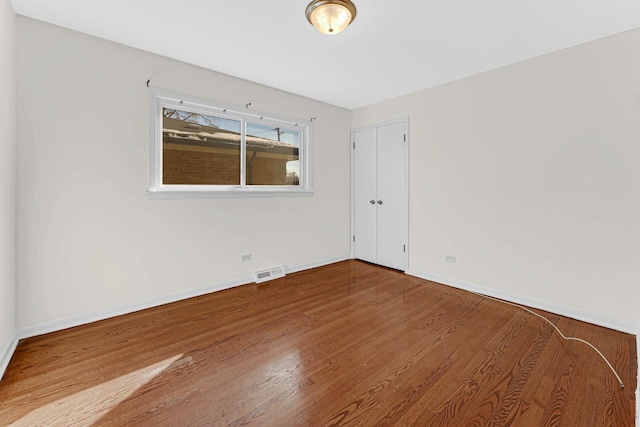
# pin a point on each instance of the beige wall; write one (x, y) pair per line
(7, 178)
(90, 237)
(527, 174)
(530, 176)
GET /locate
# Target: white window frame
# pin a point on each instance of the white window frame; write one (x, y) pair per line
(160, 99)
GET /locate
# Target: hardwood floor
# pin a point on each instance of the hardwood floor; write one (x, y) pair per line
(346, 344)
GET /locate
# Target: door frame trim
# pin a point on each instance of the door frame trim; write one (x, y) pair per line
(405, 120)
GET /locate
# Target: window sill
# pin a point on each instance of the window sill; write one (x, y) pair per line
(218, 194)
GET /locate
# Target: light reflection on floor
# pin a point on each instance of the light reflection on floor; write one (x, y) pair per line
(98, 400)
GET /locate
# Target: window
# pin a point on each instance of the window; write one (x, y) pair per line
(199, 147)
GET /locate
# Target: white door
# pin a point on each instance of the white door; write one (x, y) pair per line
(380, 199)
(365, 197)
(392, 195)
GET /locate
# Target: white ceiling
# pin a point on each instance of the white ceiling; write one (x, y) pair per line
(393, 47)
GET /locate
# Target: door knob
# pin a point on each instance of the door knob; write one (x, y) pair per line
(373, 202)
(379, 202)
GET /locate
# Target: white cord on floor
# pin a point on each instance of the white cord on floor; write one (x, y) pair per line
(559, 331)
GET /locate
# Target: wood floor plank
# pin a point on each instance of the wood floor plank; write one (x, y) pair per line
(347, 344)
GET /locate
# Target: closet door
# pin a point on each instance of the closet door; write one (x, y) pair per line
(392, 195)
(365, 197)
(380, 195)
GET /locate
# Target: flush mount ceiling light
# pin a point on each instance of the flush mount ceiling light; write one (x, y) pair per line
(331, 16)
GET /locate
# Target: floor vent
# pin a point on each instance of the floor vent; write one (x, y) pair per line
(269, 274)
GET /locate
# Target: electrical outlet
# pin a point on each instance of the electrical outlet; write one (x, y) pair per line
(246, 257)
(450, 258)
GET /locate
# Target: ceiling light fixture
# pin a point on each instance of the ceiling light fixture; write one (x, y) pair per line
(331, 16)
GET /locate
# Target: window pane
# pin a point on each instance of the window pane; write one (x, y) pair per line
(199, 149)
(273, 156)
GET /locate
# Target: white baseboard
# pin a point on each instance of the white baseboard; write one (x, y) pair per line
(310, 265)
(82, 319)
(7, 354)
(560, 309)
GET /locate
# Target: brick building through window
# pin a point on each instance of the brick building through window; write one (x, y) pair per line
(197, 154)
